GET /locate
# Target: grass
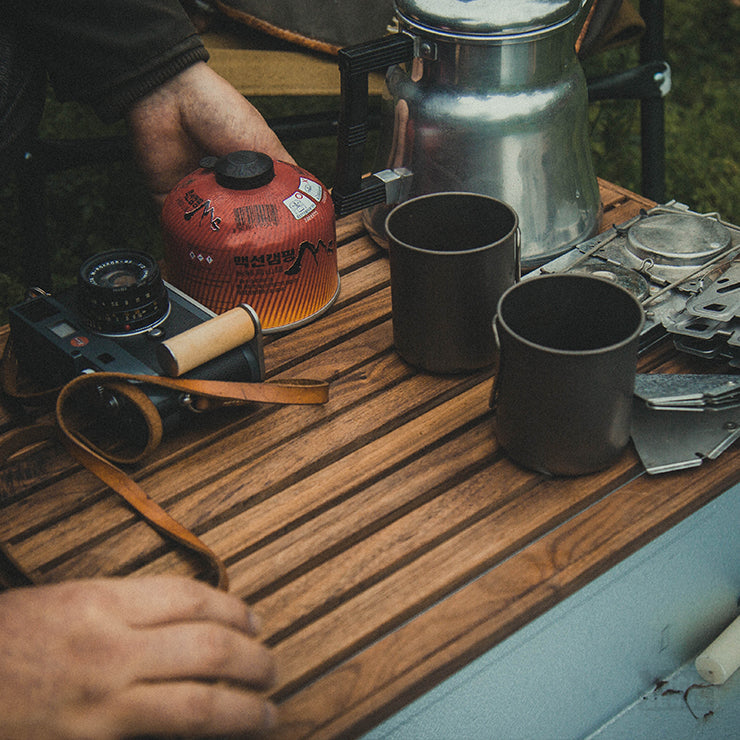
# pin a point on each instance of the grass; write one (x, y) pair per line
(702, 125)
(92, 209)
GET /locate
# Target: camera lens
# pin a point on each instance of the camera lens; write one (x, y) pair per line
(121, 292)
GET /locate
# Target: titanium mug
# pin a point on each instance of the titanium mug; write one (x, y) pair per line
(568, 358)
(452, 255)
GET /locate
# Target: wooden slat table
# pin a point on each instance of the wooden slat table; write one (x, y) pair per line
(385, 538)
(257, 64)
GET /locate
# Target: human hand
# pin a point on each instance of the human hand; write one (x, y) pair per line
(193, 114)
(115, 658)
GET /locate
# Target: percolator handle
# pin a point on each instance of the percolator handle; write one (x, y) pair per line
(351, 192)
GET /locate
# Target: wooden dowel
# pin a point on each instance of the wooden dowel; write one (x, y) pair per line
(202, 343)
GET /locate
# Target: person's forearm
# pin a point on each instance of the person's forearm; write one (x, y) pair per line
(110, 53)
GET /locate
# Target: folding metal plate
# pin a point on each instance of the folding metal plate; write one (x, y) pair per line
(676, 440)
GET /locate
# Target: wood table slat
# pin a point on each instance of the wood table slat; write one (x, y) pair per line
(385, 537)
(346, 700)
(457, 536)
(265, 457)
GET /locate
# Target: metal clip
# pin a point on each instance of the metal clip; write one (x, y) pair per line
(397, 183)
(189, 402)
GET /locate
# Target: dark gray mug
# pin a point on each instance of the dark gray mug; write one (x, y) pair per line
(452, 255)
(568, 358)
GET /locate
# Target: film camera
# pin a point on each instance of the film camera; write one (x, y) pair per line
(115, 320)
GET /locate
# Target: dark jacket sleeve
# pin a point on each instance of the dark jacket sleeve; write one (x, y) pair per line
(110, 53)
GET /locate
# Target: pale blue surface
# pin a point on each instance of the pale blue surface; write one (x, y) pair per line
(590, 665)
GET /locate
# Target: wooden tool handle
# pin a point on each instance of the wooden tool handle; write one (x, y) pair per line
(202, 343)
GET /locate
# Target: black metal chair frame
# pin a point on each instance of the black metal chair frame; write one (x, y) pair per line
(648, 82)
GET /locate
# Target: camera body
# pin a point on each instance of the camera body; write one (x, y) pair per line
(54, 341)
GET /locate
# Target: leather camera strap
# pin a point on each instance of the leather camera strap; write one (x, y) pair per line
(71, 430)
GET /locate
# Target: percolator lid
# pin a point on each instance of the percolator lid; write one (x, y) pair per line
(487, 17)
(242, 170)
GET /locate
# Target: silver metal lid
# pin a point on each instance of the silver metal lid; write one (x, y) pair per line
(487, 17)
(677, 239)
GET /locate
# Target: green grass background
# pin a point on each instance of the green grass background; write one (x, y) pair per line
(91, 209)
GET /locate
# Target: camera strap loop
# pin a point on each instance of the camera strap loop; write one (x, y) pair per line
(75, 425)
(135, 496)
(229, 393)
(77, 413)
(78, 409)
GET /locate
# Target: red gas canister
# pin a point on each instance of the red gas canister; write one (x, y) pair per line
(246, 229)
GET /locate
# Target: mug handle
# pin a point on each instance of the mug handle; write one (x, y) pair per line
(518, 262)
(496, 386)
(493, 400)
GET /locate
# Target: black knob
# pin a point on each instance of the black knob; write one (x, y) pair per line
(241, 170)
